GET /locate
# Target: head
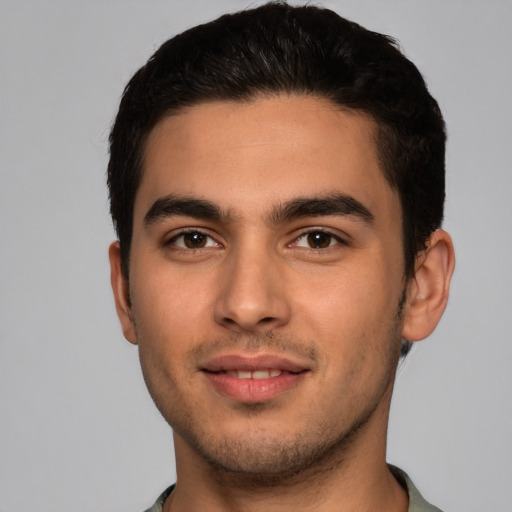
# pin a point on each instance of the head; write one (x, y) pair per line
(276, 182)
(276, 49)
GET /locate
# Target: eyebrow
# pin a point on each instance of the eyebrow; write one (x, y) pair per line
(318, 206)
(322, 206)
(172, 205)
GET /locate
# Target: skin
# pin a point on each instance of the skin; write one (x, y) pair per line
(323, 290)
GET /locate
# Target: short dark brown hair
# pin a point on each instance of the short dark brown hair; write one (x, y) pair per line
(277, 48)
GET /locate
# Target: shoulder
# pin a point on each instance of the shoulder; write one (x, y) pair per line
(159, 503)
(417, 503)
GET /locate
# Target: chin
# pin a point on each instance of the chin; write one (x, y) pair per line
(265, 458)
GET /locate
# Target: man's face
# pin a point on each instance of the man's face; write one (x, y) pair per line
(266, 274)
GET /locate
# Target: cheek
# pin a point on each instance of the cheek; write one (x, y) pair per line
(170, 317)
(171, 310)
(350, 313)
(347, 297)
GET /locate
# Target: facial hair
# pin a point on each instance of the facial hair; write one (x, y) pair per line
(258, 457)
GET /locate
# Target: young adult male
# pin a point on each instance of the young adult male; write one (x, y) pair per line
(277, 185)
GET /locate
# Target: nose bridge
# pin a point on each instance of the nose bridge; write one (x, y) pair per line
(252, 295)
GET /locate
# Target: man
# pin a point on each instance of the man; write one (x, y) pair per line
(277, 185)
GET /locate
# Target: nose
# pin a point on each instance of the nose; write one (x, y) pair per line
(252, 296)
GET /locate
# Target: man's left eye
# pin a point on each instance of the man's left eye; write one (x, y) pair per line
(317, 240)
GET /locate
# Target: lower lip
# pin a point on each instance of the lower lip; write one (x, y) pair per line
(253, 390)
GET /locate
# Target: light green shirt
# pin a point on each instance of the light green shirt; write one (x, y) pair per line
(416, 501)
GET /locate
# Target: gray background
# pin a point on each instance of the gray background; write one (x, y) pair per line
(78, 430)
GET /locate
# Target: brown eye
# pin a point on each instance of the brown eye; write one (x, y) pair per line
(319, 240)
(194, 240)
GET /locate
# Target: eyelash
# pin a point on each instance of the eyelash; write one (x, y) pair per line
(303, 235)
(182, 234)
(320, 231)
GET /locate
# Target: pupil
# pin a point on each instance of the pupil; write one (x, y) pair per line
(319, 240)
(194, 240)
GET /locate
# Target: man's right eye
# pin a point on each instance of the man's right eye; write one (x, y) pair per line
(193, 240)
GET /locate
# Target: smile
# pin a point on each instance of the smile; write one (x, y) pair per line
(251, 379)
(257, 374)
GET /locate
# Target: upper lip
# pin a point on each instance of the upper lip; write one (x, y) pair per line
(232, 362)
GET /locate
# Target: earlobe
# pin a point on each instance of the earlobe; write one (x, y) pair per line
(428, 289)
(121, 293)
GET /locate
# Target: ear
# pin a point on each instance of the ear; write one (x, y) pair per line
(428, 289)
(121, 293)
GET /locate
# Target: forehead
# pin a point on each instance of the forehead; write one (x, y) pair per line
(267, 150)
